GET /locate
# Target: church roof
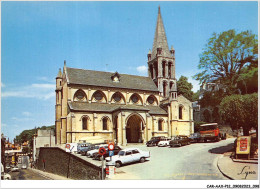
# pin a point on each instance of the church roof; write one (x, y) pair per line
(160, 39)
(100, 107)
(103, 79)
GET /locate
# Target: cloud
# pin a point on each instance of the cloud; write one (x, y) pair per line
(2, 84)
(39, 91)
(3, 125)
(21, 119)
(142, 70)
(26, 113)
(45, 79)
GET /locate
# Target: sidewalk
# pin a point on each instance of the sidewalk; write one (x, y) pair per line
(238, 169)
(49, 176)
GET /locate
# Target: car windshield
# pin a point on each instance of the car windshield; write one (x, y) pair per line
(208, 127)
(96, 147)
(121, 153)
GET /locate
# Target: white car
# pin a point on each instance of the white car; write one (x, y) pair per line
(5, 176)
(164, 142)
(128, 155)
(91, 152)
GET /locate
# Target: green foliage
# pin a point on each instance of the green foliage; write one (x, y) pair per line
(240, 111)
(26, 150)
(224, 57)
(248, 80)
(184, 88)
(195, 96)
(211, 98)
(197, 125)
(27, 135)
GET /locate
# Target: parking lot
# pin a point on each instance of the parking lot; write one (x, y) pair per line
(192, 162)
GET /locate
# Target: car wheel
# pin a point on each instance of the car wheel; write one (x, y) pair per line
(118, 164)
(142, 159)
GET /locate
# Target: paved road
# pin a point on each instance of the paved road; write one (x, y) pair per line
(196, 161)
(26, 174)
(193, 162)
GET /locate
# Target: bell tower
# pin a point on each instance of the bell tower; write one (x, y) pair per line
(161, 62)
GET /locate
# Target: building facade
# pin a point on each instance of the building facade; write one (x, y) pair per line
(94, 105)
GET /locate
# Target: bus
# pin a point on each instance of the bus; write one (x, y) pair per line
(210, 131)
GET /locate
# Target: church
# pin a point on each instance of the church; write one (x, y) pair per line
(96, 105)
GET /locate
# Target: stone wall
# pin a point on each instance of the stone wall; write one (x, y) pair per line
(59, 162)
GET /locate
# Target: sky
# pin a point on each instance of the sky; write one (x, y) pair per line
(36, 38)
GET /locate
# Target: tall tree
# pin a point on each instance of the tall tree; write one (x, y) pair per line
(224, 57)
(184, 88)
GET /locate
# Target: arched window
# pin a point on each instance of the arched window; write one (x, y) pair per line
(156, 69)
(171, 85)
(180, 112)
(105, 123)
(80, 95)
(117, 97)
(160, 125)
(150, 99)
(170, 70)
(151, 70)
(85, 123)
(164, 88)
(99, 96)
(163, 69)
(136, 99)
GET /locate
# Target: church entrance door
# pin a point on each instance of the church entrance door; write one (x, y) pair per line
(134, 129)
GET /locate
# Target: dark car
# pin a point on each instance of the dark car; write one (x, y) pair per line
(180, 140)
(85, 148)
(154, 141)
(97, 156)
(195, 137)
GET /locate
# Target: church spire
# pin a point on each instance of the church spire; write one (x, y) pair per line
(160, 40)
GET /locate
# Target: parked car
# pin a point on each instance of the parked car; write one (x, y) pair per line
(195, 137)
(91, 152)
(164, 142)
(85, 148)
(97, 156)
(80, 146)
(128, 155)
(154, 141)
(180, 140)
(5, 176)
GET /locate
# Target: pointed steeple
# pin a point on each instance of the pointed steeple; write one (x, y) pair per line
(160, 40)
(59, 74)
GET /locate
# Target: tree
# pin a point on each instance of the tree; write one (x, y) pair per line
(224, 57)
(184, 88)
(195, 96)
(240, 111)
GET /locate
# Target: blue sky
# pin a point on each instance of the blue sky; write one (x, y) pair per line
(107, 36)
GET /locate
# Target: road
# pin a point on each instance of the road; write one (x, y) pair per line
(197, 161)
(27, 174)
(192, 162)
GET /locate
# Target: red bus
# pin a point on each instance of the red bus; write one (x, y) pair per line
(210, 131)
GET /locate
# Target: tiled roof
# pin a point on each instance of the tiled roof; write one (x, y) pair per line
(100, 107)
(103, 79)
